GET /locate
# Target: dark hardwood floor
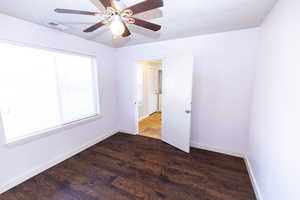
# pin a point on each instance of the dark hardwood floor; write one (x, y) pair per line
(126, 167)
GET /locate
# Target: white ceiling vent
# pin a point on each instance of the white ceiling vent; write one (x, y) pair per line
(58, 26)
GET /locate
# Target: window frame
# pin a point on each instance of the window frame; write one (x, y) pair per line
(64, 126)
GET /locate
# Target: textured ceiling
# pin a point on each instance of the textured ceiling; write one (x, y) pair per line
(179, 18)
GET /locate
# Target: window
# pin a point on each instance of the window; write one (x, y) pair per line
(41, 89)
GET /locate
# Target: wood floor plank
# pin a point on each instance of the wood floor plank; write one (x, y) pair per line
(127, 167)
(151, 126)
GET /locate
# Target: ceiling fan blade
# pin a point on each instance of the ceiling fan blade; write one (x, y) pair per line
(147, 25)
(126, 32)
(106, 3)
(79, 12)
(146, 5)
(94, 27)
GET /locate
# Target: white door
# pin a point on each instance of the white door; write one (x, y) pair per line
(152, 91)
(177, 100)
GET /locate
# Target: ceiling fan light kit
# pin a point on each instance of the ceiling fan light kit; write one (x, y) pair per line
(118, 17)
(116, 27)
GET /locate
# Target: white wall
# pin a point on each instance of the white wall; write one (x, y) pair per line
(223, 76)
(274, 149)
(20, 161)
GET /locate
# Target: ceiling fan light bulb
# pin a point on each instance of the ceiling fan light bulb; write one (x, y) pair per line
(117, 27)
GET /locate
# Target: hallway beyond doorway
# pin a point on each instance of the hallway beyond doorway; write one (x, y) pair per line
(151, 126)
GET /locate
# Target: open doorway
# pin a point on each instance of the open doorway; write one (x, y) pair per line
(150, 98)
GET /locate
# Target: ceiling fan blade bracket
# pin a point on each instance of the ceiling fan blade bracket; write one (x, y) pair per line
(129, 20)
(126, 13)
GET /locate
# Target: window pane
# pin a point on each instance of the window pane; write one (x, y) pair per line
(40, 89)
(77, 91)
(28, 90)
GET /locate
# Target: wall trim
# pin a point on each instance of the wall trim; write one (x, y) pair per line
(127, 131)
(246, 160)
(215, 149)
(253, 179)
(37, 170)
(143, 117)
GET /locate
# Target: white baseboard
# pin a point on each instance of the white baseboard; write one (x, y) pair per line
(148, 115)
(214, 149)
(144, 117)
(246, 160)
(35, 171)
(253, 179)
(127, 131)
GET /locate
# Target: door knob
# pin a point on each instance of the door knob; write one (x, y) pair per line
(188, 111)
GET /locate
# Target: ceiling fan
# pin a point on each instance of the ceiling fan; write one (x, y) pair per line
(118, 16)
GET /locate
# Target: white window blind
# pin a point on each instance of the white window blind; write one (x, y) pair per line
(41, 89)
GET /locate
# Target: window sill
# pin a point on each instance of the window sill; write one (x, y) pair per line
(51, 131)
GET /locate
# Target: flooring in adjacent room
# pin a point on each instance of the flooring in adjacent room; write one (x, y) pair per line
(151, 126)
(128, 167)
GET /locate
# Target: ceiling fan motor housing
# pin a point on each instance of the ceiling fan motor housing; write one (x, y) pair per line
(115, 14)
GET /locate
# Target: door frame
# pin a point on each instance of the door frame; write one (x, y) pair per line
(136, 105)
